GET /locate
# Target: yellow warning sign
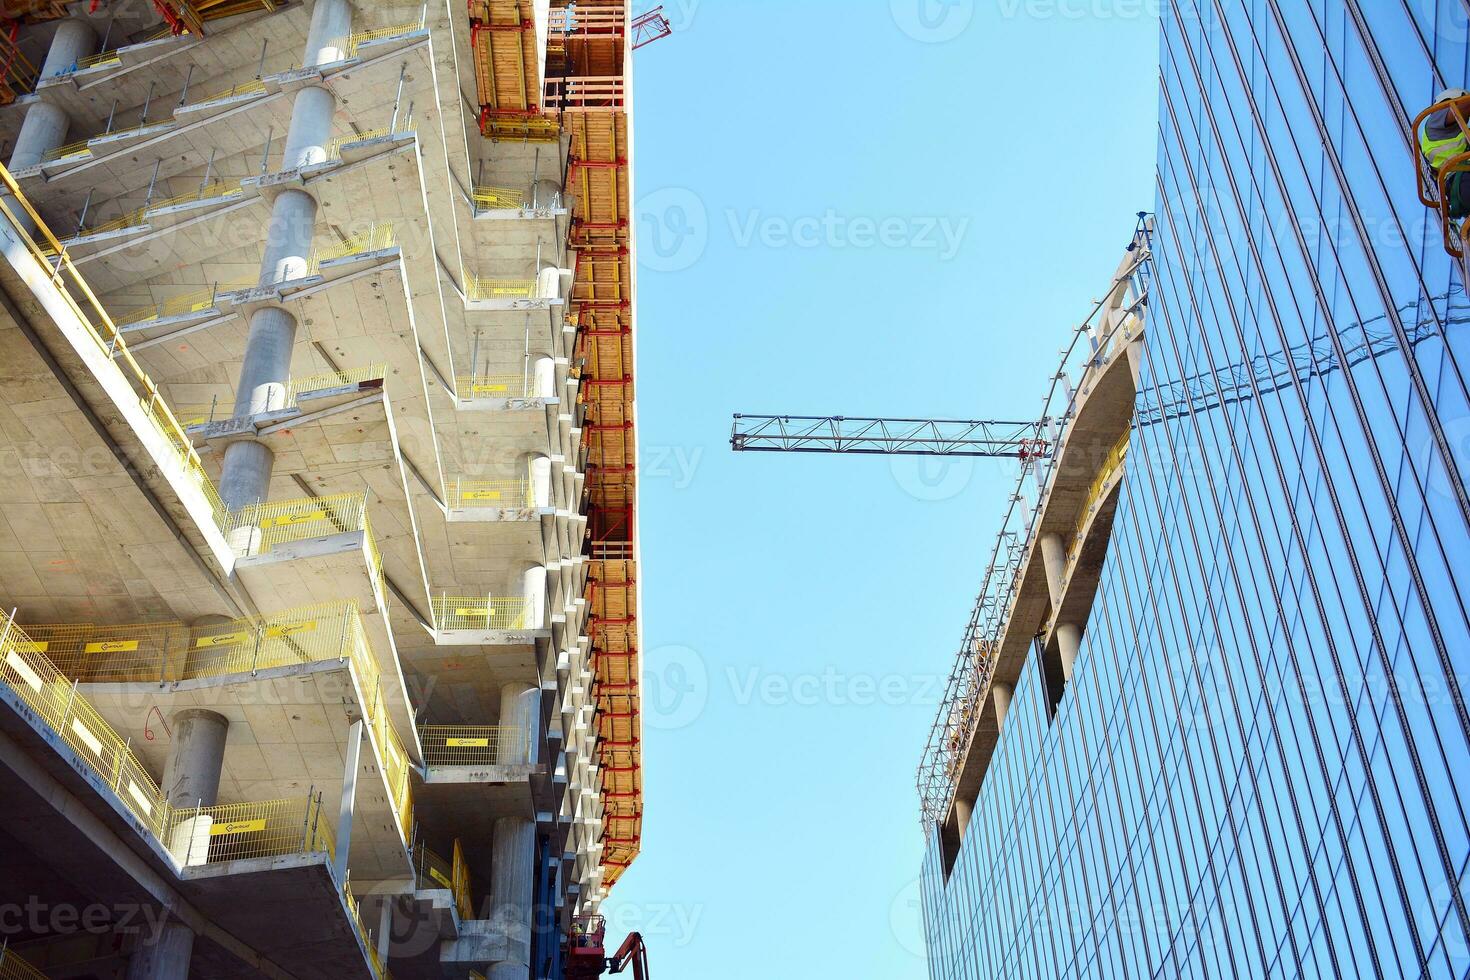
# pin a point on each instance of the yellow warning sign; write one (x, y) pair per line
(291, 629)
(472, 612)
(467, 743)
(481, 494)
(237, 827)
(286, 520)
(222, 640)
(438, 876)
(31, 646)
(112, 646)
(490, 388)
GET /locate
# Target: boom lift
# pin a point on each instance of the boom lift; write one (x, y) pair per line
(587, 956)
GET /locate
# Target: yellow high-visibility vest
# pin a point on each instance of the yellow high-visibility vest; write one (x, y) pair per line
(1439, 152)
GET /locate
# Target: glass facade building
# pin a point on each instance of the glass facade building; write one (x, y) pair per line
(1260, 766)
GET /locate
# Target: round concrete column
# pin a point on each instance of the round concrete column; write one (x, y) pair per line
(191, 779)
(548, 284)
(1002, 695)
(543, 377)
(326, 39)
(512, 891)
(288, 238)
(74, 40)
(540, 469)
(311, 128)
(166, 957)
(1054, 558)
(43, 130)
(1069, 641)
(245, 476)
(266, 371)
(533, 588)
(520, 710)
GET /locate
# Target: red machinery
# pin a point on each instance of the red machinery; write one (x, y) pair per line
(587, 952)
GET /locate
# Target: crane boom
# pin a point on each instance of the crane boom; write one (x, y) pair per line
(902, 437)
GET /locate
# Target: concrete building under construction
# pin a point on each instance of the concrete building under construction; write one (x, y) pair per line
(317, 525)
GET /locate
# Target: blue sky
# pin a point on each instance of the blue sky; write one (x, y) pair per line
(885, 207)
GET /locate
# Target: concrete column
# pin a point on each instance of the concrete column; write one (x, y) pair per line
(548, 284)
(191, 779)
(520, 709)
(326, 39)
(1135, 361)
(245, 475)
(311, 128)
(43, 130)
(166, 957)
(288, 237)
(533, 588)
(540, 469)
(1001, 694)
(512, 890)
(266, 372)
(963, 810)
(1054, 559)
(543, 377)
(73, 41)
(1069, 641)
(349, 799)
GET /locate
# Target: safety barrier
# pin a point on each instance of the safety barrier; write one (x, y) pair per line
(67, 150)
(610, 20)
(480, 613)
(482, 288)
(335, 144)
(489, 198)
(276, 523)
(138, 216)
(245, 831)
(199, 414)
(472, 386)
(491, 493)
(172, 651)
(463, 900)
(471, 745)
(253, 87)
(13, 967)
(355, 911)
(378, 236)
(357, 39)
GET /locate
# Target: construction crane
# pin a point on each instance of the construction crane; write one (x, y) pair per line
(892, 437)
(651, 26)
(587, 958)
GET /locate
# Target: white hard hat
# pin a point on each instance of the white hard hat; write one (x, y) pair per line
(1452, 93)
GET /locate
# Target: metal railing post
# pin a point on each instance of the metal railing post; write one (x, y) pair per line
(184, 95)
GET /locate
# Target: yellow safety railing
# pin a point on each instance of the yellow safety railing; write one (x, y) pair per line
(334, 145)
(470, 745)
(194, 301)
(376, 237)
(471, 386)
(396, 764)
(507, 494)
(14, 967)
(285, 521)
(66, 151)
(326, 380)
(100, 58)
(104, 333)
(489, 198)
(463, 899)
(482, 288)
(243, 831)
(1111, 464)
(481, 613)
(357, 39)
(138, 216)
(252, 87)
(173, 651)
(26, 670)
(353, 910)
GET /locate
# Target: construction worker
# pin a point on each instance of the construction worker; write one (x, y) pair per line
(1442, 139)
